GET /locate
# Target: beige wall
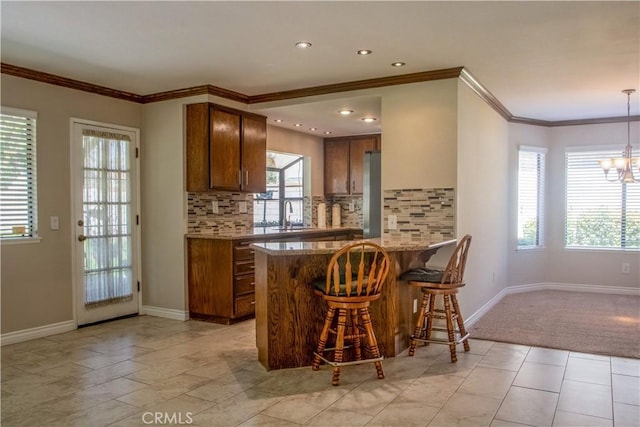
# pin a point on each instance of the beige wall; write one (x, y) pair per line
(312, 147)
(419, 135)
(482, 197)
(36, 278)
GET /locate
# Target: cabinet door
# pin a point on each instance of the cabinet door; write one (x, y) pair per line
(357, 146)
(336, 166)
(224, 149)
(254, 154)
(198, 147)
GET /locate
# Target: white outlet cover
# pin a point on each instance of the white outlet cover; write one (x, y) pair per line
(242, 207)
(352, 207)
(393, 222)
(54, 223)
(214, 206)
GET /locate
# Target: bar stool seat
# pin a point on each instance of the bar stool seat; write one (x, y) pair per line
(443, 284)
(355, 276)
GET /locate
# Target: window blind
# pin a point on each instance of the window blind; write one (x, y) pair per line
(531, 171)
(599, 214)
(18, 195)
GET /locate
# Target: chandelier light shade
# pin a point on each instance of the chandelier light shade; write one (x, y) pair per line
(624, 165)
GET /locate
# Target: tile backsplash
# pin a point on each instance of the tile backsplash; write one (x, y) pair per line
(347, 219)
(420, 212)
(200, 216)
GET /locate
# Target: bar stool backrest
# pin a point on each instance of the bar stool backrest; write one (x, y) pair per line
(454, 273)
(357, 269)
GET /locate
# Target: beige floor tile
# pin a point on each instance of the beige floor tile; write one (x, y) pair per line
(586, 399)
(626, 389)
(508, 357)
(101, 415)
(434, 390)
(466, 410)
(540, 376)
(569, 419)
(527, 406)
(462, 368)
(236, 410)
(626, 415)
(588, 370)
(590, 356)
(339, 417)
(113, 389)
(476, 382)
(625, 366)
(548, 356)
(371, 396)
(264, 420)
(480, 347)
(404, 413)
(501, 423)
(300, 408)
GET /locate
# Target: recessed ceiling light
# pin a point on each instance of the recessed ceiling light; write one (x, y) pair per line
(303, 45)
(369, 119)
(364, 52)
(345, 112)
(313, 128)
(297, 124)
(326, 132)
(398, 64)
(278, 120)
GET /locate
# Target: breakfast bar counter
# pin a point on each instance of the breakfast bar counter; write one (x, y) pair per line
(289, 315)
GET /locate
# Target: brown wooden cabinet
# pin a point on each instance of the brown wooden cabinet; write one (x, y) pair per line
(226, 149)
(344, 163)
(221, 277)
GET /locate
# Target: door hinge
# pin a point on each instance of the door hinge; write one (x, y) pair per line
(138, 286)
(137, 219)
(137, 153)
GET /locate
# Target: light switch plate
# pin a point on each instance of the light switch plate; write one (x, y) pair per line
(393, 222)
(54, 223)
(214, 206)
(242, 207)
(352, 207)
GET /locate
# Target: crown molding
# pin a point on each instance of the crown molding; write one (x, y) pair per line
(53, 79)
(425, 76)
(457, 72)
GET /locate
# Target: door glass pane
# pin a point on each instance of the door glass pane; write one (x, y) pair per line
(107, 217)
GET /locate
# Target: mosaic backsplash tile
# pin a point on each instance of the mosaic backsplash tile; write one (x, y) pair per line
(347, 219)
(201, 219)
(421, 212)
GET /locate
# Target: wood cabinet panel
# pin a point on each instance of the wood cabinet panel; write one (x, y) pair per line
(344, 163)
(336, 166)
(197, 147)
(254, 157)
(224, 151)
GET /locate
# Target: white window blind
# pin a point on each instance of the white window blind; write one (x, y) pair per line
(599, 214)
(531, 167)
(18, 196)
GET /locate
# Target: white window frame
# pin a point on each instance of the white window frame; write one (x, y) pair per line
(601, 151)
(541, 156)
(33, 236)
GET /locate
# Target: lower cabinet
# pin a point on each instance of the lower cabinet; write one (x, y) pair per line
(221, 275)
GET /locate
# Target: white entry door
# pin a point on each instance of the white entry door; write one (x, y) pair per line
(105, 224)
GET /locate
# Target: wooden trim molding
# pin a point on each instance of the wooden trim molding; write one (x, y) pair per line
(53, 79)
(425, 76)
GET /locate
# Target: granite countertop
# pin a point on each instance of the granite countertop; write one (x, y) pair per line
(391, 244)
(264, 232)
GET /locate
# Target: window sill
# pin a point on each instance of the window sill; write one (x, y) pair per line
(20, 241)
(531, 249)
(603, 250)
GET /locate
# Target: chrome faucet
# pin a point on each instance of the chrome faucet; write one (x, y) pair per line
(287, 219)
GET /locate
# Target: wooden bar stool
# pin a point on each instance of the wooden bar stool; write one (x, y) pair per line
(355, 276)
(445, 284)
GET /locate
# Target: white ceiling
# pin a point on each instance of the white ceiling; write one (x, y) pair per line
(542, 60)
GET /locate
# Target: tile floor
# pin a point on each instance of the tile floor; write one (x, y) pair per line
(153, 371)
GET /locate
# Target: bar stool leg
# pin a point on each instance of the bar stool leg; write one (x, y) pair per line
(324, 335)
(337, 355)
(417, 333)
(430, 314)
(450, 330)
(460, 320)
(373, 343)
(356, 334)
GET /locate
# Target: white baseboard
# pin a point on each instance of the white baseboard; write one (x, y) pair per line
(571, 287)
(167, 313)
(38, 332)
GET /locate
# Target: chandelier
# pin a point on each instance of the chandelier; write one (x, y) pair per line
(624, 164)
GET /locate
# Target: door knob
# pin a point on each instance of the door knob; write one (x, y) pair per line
(82, 238)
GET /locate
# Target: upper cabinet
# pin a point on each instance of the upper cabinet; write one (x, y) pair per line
(344, 163)
(226, 149)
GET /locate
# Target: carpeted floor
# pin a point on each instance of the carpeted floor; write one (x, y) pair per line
(577, 321)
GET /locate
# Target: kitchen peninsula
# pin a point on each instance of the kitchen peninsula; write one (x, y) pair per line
(289, 315)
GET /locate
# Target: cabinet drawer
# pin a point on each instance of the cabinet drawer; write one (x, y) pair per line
(245, 304)
(243, 267)
(244, 284)
(242, 252)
